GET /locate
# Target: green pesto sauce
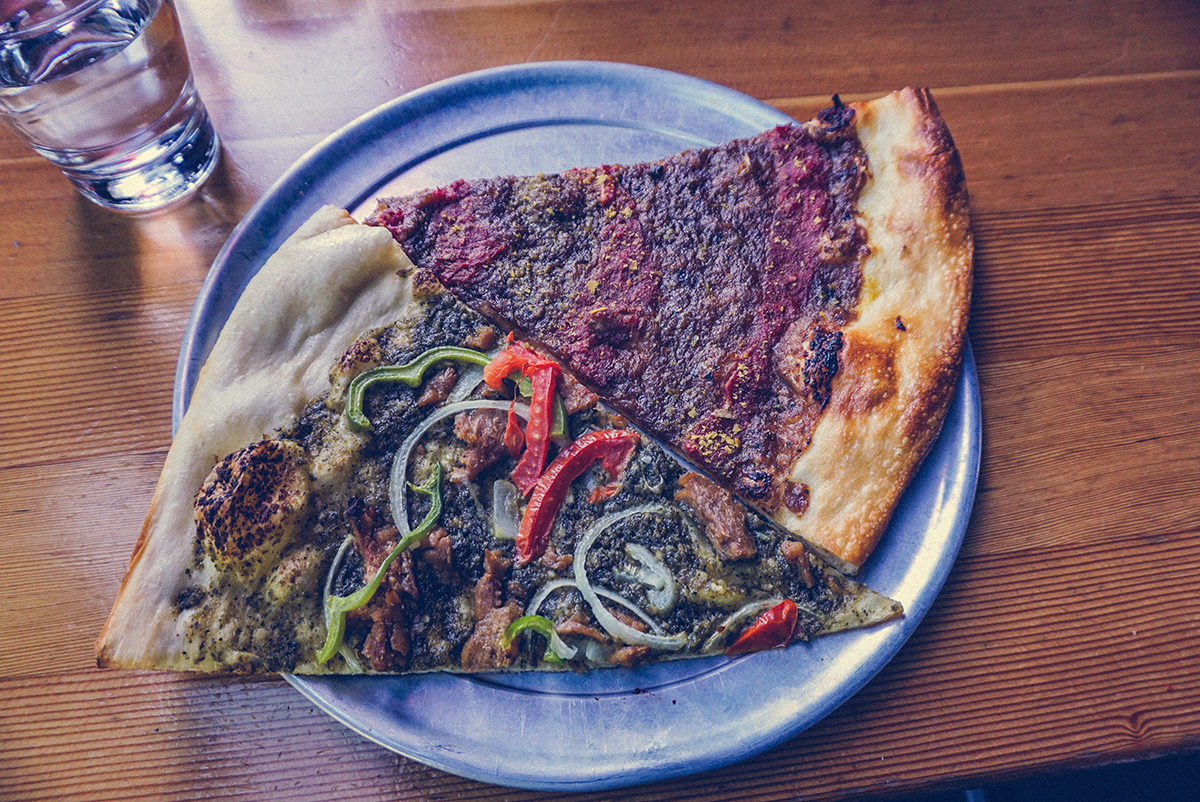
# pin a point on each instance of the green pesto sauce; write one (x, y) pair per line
(255, 627)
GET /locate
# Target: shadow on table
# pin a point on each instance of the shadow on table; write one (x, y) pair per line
(1168, 779)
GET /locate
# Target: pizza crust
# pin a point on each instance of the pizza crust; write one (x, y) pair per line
(329, 282)
(901, 356)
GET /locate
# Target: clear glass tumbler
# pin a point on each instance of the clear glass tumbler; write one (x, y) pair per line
(103, 89)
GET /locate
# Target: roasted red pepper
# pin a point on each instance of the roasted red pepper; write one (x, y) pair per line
(612, 447)
(537, 430)
(514, 438)
(515, 358)
(773, 628)
(542, 374)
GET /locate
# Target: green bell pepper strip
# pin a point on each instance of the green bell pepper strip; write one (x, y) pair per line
(558, 423)
(523, 382)
(411, 374)
(338, 606)
(539, 624)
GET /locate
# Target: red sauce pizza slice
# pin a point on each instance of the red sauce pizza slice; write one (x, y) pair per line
(788, 311)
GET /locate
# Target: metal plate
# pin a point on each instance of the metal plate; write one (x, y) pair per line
(609, 728)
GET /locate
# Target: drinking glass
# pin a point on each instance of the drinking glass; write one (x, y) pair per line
(103, 89)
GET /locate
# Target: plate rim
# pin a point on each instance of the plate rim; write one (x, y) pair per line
(245, 246)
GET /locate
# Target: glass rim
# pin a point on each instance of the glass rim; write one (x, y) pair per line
(22, 24)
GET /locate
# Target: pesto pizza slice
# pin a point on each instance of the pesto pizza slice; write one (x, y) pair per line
(372, 479)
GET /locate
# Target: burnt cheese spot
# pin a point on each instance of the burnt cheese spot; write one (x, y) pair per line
(248, 507)
(190, 597)
(821, 365)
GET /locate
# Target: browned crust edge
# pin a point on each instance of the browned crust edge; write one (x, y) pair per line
(920, 207)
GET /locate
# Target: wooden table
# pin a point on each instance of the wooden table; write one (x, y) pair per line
(1068, 634)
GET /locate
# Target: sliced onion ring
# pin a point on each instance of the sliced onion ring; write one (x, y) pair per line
(398, 480)
(558, 584)
(654, 575)
(506, 510)
(544, 592)
(613, 625)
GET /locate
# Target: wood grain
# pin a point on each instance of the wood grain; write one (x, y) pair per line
(1030, 678)
(767, 49)
(1080, 450)
(1073, 281)
(1069, 629)
(89, 374)
(1067, 144)
(69, 530)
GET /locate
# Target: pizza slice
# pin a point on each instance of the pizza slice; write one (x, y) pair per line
(788, 312)
(370, 478)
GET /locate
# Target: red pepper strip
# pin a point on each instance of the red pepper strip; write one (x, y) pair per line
(514, 438)
(542, 374)
(537, 430)
(772, 628)
(514, 358)
(612, 447)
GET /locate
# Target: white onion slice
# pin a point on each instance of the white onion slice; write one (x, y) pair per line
(544, 592)
(747, 610)
(471, 376)
(558, 584)
(605, 593)
(615, 627)
(653, 574)
(398, 481)
(597, 653)
(561, 649)
(506, 510)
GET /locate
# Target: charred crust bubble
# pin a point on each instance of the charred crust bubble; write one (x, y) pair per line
(248, 507)
(838, 117)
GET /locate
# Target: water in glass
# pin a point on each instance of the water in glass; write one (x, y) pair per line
(103, 89)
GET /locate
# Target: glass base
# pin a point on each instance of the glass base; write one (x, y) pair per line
(167, 171)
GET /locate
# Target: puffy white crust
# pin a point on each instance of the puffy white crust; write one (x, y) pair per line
(901, 357)
(329, 282)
